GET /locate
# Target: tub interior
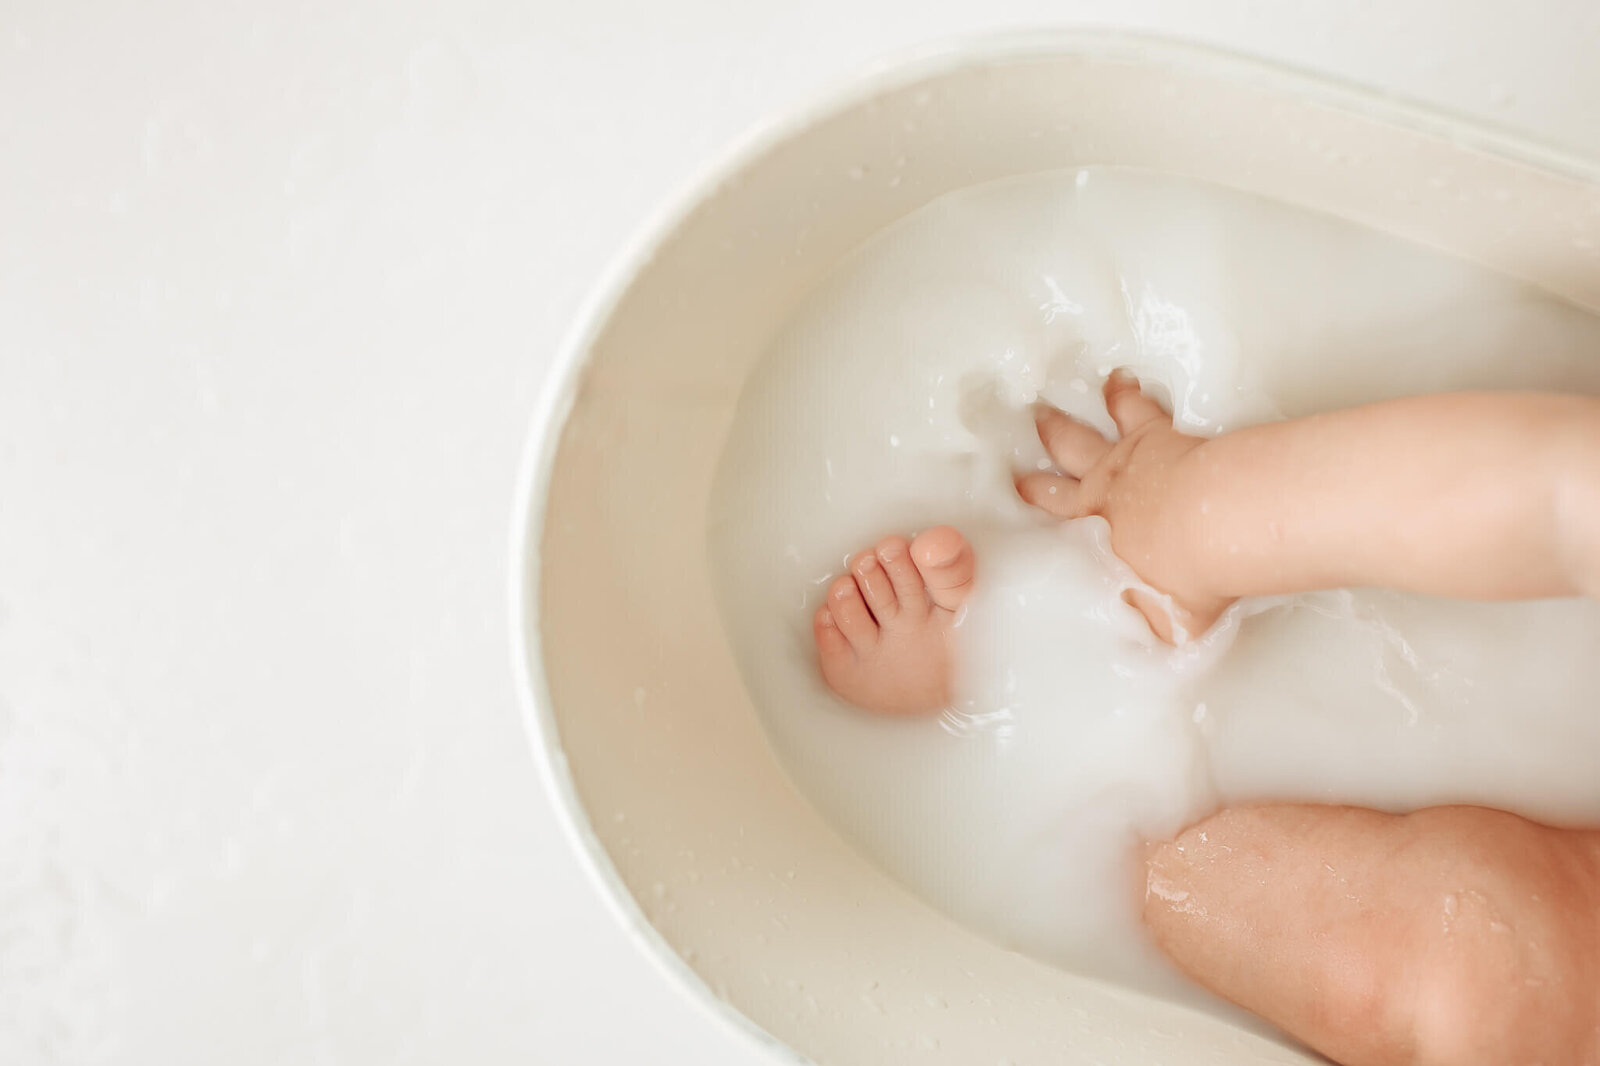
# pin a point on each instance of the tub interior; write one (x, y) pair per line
(679, 791)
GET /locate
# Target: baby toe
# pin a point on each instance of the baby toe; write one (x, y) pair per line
(850, 613)
(875, 586)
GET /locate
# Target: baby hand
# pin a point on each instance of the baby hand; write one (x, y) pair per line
(1133, 484)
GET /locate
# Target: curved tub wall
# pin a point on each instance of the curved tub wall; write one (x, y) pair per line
(737, 873)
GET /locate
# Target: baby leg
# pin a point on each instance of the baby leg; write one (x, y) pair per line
(1452, 935)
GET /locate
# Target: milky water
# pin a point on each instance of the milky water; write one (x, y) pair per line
(896, 398)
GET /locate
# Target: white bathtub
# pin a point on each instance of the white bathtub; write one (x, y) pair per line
(727, 876)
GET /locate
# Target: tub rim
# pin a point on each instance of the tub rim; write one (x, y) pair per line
(897, 69)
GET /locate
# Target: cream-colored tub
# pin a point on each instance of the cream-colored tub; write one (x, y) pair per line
(728, 877)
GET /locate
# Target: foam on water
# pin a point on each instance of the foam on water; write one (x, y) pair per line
(896, 399)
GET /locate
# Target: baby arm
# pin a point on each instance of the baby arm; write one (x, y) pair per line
(1480, 495)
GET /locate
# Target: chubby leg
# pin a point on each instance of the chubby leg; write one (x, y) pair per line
(881, 635)
(1492, 496)
(1452, 935)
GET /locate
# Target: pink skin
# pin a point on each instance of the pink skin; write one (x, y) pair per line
(882, 636)
(1123, 481)
(1451, 935)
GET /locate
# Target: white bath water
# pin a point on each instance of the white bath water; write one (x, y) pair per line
(897, 399)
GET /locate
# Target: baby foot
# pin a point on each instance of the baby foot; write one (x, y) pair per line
(881, 635)
(1132, 483)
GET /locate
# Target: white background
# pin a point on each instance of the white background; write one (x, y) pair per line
(279, 283)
